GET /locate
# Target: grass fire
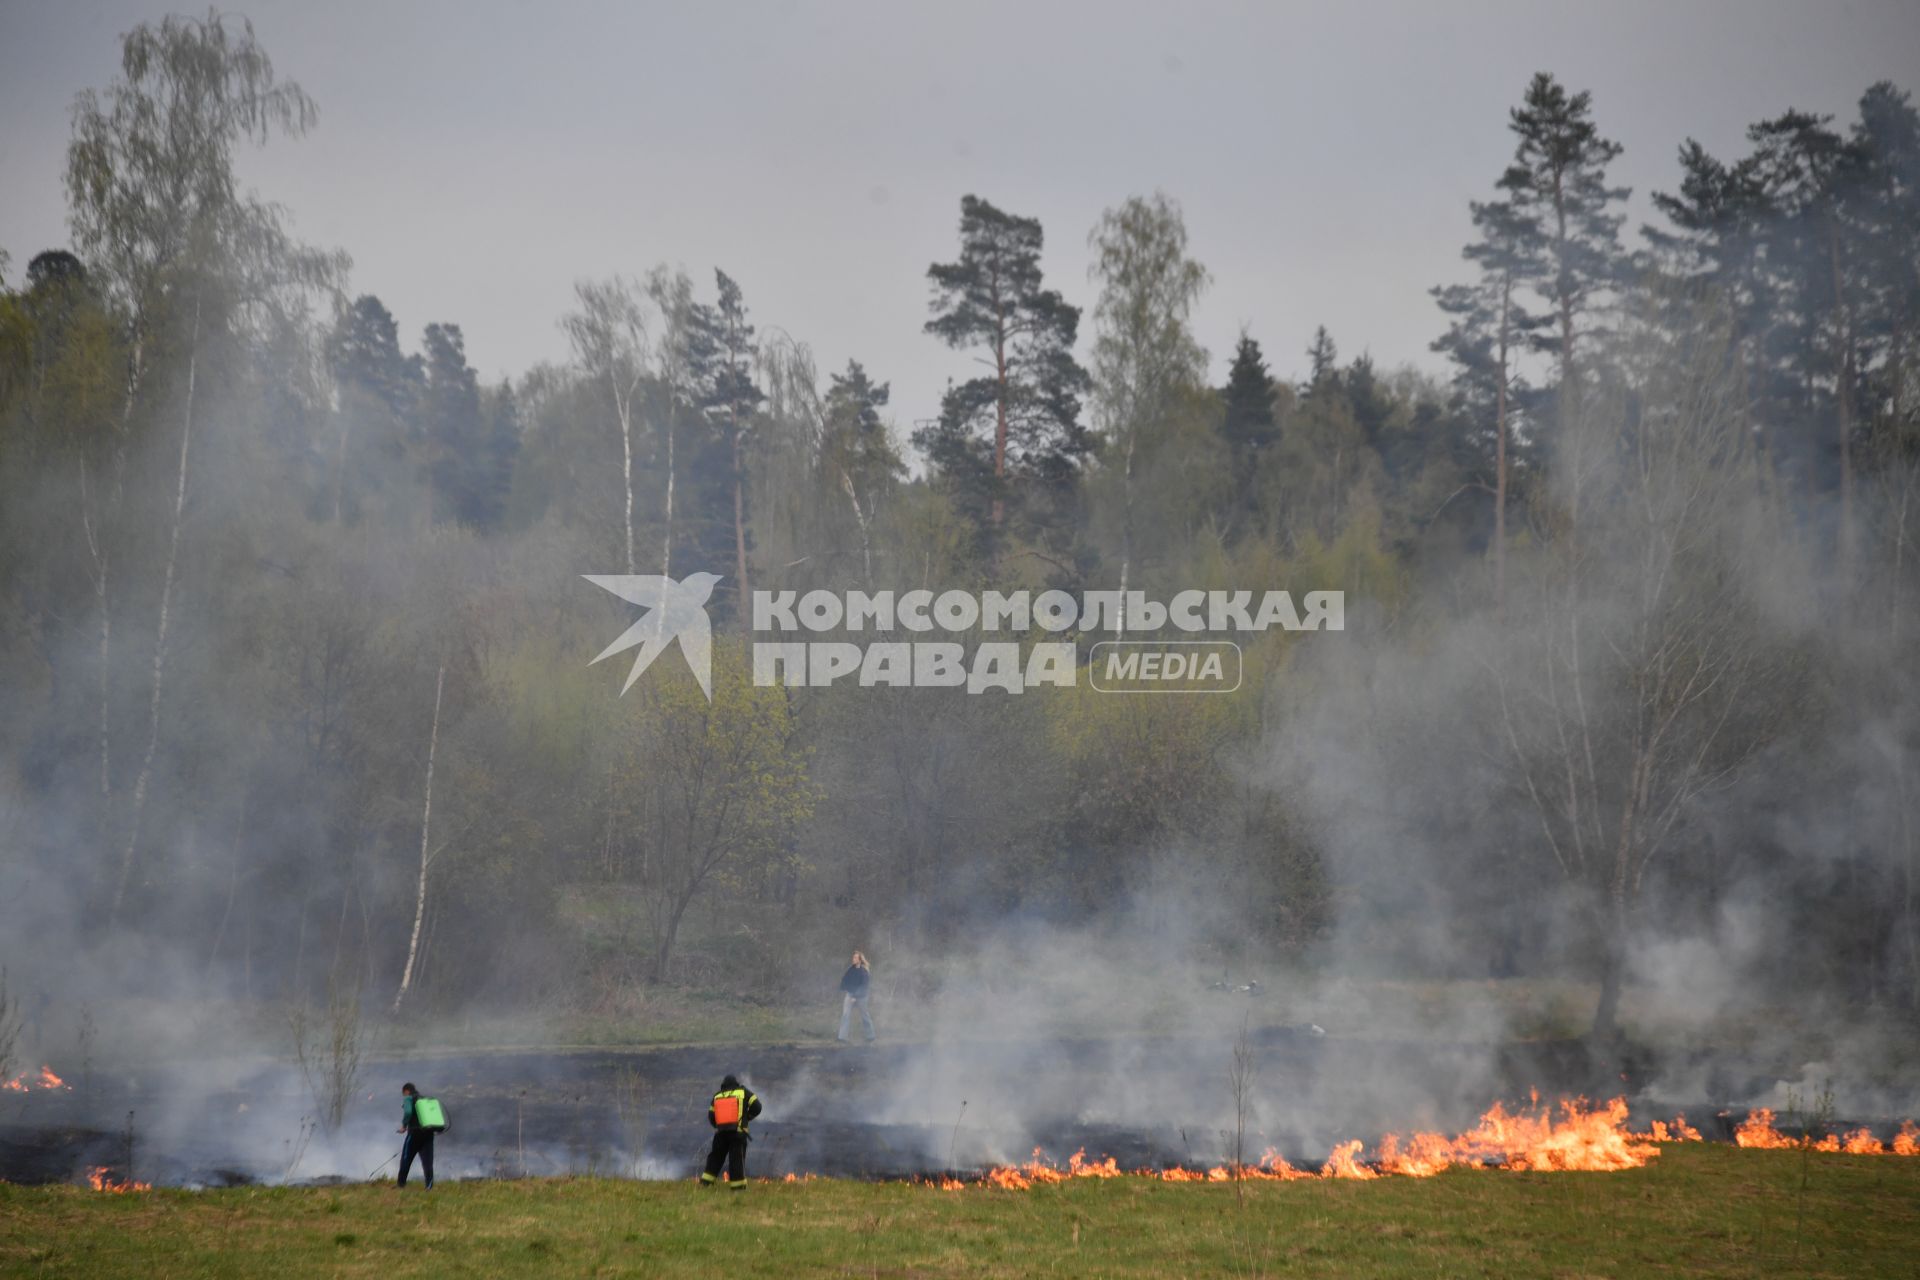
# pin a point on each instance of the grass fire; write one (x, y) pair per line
(1578, 1140)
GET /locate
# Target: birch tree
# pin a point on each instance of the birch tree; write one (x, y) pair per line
(672, 295)
(427, 850)
(156, 205)
(609, 336)
(1144, 352)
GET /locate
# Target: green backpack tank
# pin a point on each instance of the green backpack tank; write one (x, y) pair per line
(429, 1114)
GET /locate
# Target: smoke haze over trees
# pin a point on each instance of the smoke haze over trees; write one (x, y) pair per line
(296, 689)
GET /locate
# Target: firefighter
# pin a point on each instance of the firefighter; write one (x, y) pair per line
(732, 1110)
(419, 1140)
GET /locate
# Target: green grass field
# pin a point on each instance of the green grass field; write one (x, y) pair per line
(1696, 1211)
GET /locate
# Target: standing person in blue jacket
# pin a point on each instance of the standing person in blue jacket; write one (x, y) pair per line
(854, 985)
(419, 1141)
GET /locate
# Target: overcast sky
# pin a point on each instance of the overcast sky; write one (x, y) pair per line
(476, 158)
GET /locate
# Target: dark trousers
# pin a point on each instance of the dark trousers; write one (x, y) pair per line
(419, 1143)
(730, 1149)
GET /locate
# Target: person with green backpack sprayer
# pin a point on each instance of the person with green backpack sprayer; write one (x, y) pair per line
(420, 1119)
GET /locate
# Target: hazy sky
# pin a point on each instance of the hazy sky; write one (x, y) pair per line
(476, 158)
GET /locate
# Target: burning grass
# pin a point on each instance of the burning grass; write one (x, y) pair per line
(101, 1178)
(1574, 1137)
(1701, 1209)
(1757, 1132)
(27, 1082)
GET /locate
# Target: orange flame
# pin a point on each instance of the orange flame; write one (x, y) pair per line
(1757, 1131)
(1341, 1162)
(1425, 1154)
(45, 1080)
(1078, 1166)
(1534, 1138)
(1678, 1131)
(1861, 1142)
(98, 1179)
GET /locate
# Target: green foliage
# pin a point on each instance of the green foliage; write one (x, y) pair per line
(357, 512)
(707, 795)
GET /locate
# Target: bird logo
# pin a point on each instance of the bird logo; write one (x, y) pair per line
(675, 611)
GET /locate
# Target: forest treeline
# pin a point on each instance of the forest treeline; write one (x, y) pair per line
(295, 638)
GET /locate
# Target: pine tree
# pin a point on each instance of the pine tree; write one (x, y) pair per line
(855, 450)
(1720, 216)
(1488, 325)
(451, 432)
(1018, 427)
(1562, 219)
(494, 481)
(1887, 223)
(1811, 175)
(378, 387)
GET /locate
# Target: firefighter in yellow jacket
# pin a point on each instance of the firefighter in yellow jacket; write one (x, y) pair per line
(732, 1110)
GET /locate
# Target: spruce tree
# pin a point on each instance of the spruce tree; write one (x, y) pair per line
(1323, 361)
(1247, 422)
(731, 401)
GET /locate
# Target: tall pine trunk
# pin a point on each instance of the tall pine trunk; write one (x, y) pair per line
(1500, 451)
(1843, 396)
(1000, 410)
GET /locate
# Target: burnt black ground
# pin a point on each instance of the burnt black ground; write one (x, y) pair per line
(881, 1111)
